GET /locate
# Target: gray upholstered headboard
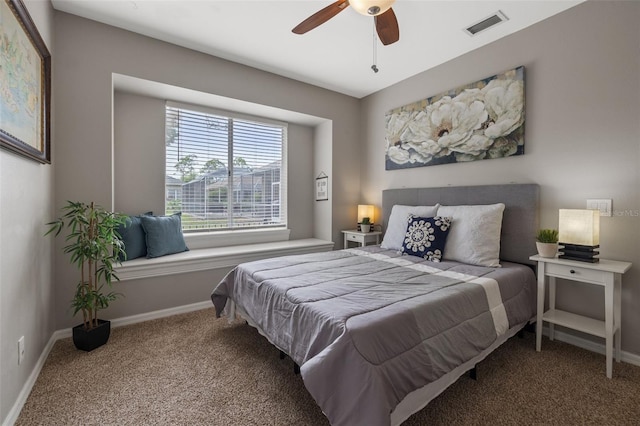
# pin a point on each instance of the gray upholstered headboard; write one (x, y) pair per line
(520, 220)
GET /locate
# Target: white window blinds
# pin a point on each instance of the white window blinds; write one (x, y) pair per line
(224, 171)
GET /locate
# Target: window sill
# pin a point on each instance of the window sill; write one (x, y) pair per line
(202, 240)
(202, 259)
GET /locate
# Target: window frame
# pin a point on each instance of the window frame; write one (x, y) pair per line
(276, 229)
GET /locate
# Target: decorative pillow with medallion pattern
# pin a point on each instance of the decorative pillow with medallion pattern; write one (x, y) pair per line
(426, 237)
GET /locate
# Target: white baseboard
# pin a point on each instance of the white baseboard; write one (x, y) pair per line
(13, 414)
(162, 313)
(590, 345)
(148, 316)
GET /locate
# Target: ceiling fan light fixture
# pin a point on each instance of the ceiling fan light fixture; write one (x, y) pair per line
(371, 7)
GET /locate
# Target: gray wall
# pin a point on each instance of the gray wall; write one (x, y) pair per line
(139, 156)
(26, 271)
(87, 55)
(582, 133)
(324, 166)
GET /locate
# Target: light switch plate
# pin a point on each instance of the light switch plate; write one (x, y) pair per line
(604, 205)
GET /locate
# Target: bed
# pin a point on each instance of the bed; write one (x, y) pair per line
(378, 334)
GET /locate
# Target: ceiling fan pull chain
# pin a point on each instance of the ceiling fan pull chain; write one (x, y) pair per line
(374, 67)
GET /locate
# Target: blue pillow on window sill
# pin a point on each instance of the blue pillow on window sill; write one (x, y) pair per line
(426, 237)
(133, 238)
(163, 235)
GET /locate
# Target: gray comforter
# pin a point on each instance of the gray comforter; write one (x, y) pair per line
(368, 326)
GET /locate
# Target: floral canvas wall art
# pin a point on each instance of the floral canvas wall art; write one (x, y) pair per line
(479, 121)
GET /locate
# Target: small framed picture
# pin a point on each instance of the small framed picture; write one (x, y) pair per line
(322, 188)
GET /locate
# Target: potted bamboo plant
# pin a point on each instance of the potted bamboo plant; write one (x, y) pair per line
(94, 245)
(547, 242)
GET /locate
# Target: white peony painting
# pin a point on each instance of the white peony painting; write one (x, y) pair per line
(478, 121)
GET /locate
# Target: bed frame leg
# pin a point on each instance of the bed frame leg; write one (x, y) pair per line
(530, 327)
(296, 367)
(473, 373)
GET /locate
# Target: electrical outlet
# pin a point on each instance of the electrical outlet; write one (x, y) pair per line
(20, 350)
(604, 205)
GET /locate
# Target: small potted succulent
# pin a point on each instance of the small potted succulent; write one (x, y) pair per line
(547, 242)
(94, 246)
(365, 225)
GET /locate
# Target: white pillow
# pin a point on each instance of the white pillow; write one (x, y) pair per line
(398, 221)
(474, 236)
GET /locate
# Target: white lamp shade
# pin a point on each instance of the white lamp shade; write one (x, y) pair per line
(365, 210)
(580, 227)
(371, 7)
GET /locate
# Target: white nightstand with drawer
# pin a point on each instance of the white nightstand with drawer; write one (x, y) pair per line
(606, 273)
(362, 238)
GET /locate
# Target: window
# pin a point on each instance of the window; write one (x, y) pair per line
(224, 171)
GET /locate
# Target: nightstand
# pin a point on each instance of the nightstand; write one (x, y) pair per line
(362, 238)
(606, 273)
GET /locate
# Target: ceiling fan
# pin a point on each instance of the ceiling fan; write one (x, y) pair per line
(385, 20)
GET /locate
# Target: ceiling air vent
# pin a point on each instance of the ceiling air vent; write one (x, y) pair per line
(489, 22)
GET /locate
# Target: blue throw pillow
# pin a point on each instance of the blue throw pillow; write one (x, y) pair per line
(133, 238)
(163, 234)
(426, 237)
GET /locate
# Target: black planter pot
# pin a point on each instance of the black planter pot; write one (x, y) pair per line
(88, 340)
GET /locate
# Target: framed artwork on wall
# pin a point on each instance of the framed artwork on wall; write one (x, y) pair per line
(478, 121)
(25, 85)
(322, 187)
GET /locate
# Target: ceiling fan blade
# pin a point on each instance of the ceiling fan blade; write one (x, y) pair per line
(387, 27)
(321, 17)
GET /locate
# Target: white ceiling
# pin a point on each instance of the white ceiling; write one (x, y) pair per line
(338, 54)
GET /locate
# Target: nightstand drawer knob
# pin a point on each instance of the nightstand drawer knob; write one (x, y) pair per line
(572, 271)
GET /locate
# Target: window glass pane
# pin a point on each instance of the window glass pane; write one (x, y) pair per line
(257, 154)
(223, 172)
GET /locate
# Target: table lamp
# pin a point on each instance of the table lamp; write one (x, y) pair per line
(365, 210)
(579, 233)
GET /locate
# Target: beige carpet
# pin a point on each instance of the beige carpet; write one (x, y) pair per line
(193, 369)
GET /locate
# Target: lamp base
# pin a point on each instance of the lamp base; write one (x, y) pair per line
(579, 253)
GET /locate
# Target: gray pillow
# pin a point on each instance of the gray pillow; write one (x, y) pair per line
(163, 235)
(133, 238)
